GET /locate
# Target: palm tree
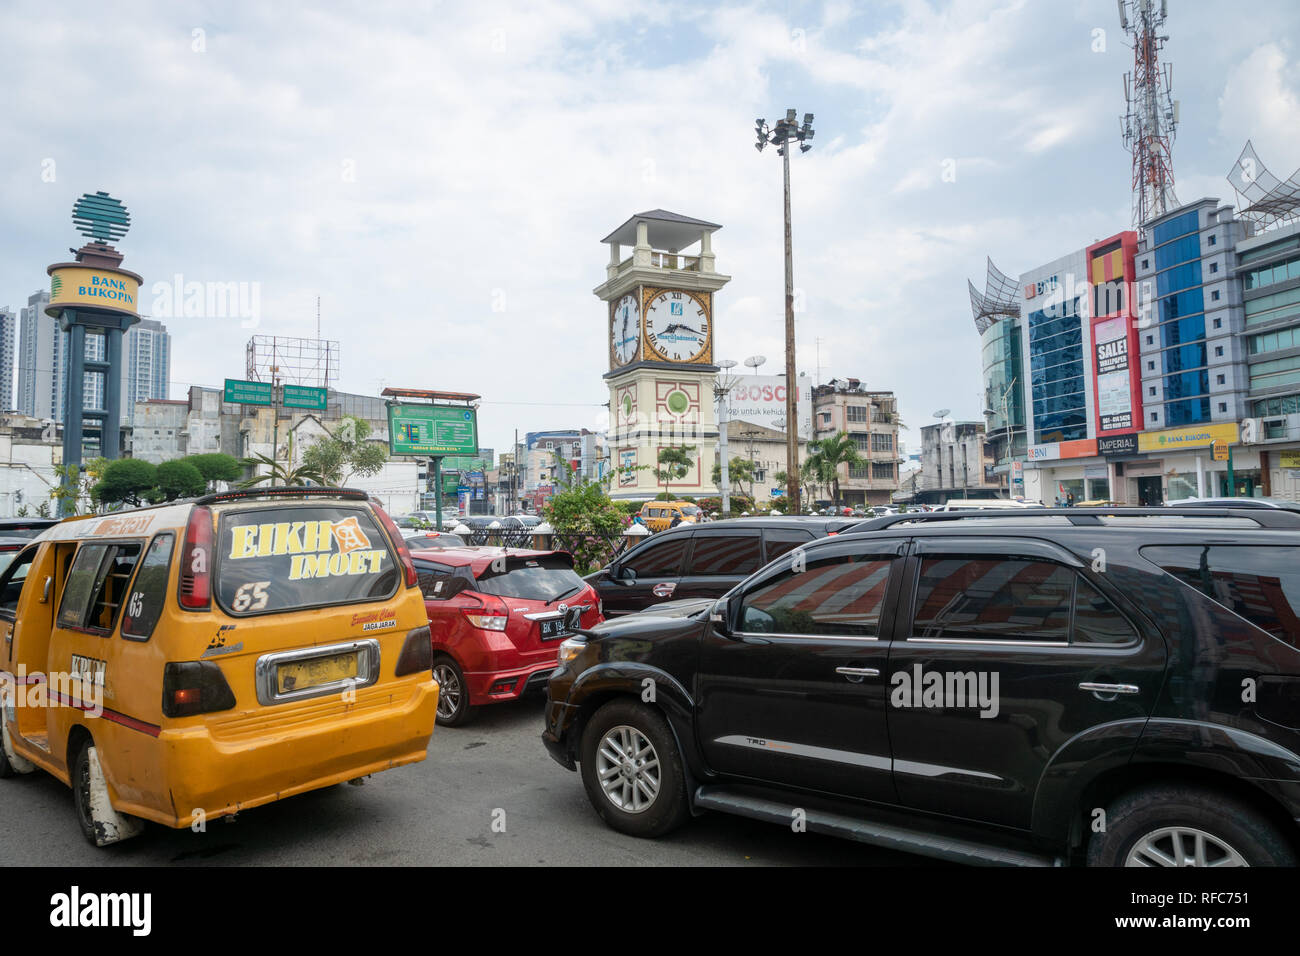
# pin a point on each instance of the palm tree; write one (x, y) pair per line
(278, 474)
(826, 456)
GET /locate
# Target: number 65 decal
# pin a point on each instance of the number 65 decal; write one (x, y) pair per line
(251, 596)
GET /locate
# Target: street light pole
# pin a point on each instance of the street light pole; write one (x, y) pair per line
(786, 132)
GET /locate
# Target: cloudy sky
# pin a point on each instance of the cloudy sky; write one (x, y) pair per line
(440, 174)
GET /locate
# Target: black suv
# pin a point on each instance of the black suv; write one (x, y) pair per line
(1071, 685)
(702, 560)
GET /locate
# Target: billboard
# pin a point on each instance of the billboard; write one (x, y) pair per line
(432, 430)
(760, 399)
(1116, 370)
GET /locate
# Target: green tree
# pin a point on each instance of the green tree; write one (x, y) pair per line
(73, 483)
(584, 519)
(216, 466)
(740, 471)
(826, 456)
(125, 481)
(346, 453)
(178, 479)
(674, 463)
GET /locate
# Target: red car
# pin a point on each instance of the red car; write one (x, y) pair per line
(498, 616)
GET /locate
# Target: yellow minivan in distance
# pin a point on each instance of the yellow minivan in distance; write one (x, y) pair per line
(188, 661)
(659, 515)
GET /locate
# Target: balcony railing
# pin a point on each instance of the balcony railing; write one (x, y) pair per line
(666, 260)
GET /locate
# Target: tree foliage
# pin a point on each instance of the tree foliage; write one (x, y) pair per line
(179, 479)
(276, 473)
(125, 481)
(825, 458)
(345, 454)
(584, 518)
(216, 466)
(674, 464)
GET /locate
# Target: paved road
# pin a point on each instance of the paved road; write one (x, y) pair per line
(438, 812)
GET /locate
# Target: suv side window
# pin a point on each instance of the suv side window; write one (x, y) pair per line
(1096, 620)
(780, 540)
(837, 596)
(1260, 583)
(725, 554)
(660, 559)
(983, 598)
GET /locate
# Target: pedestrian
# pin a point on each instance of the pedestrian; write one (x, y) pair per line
(677, 519)
(1058, 502)
(1069, 500)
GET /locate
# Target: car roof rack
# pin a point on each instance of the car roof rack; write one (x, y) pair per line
(282, 491)
(1084, 517)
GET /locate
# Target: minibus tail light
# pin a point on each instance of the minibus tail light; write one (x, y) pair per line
(417, 652)
(195, 687)
(403, 553)
(196, 562)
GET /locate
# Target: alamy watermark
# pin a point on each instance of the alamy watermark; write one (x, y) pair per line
(176, 298)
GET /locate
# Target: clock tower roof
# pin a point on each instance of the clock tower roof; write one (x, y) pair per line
(666, 230)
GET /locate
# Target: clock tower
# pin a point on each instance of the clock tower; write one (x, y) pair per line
(659, 309)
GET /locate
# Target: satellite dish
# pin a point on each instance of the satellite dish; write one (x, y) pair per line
(754, 361)
(727, 363)
(942, 413)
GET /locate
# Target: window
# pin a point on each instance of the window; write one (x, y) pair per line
(882, 442)
(1151, 390)
(856, 413)
(1223, 406)
(1218, 350)
(1214, 296)
(860, 471)
(1151, 366)
(993, 599)
(1212, 240)
(1096, 621)
(838, 596)
(780, 541)
(1151, 340)
(1155, 417)
(432, 579)
(149, 591)
(1214, 267)
(659, 559)
(1219, 379)
(882, 469)
(281, 559)
(1260, 583)
(826, 418)
(725, 554)
(1218, 323)
(531, 579)
(11, 583)
(96, 586)
(1146, 263)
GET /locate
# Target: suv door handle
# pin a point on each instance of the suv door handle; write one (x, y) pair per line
(856, 674)
(1111, 689)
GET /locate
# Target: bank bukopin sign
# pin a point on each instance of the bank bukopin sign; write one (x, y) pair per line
(112, 290)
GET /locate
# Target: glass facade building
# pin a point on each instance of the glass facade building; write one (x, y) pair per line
(1059, 392)
(1179, 309)
(1004, 381)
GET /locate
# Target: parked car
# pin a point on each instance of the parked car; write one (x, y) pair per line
(659, 515)
(694, 561)
(24, 527)
(980, 687)
(10, 545)
(202, 653)
(497, 617)
(433, 539)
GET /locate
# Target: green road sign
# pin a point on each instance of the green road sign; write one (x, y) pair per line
(303, 396)
(247, 393)
(432, 430)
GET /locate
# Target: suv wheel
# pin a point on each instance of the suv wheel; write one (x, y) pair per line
(453, 693)
(1186, 826)
(632, 769)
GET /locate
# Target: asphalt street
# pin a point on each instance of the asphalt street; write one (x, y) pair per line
(437, 813)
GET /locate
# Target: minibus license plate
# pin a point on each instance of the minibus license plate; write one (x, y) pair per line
(300, 675)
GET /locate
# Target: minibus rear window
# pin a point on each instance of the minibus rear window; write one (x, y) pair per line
(282, 559)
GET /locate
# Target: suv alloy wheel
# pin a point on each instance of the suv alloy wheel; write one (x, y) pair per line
(632, 769)
(1178, 825)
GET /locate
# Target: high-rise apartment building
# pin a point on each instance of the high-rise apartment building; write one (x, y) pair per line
(146, 366)
(8, 352)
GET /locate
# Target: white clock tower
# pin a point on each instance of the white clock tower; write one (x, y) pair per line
(661, 371)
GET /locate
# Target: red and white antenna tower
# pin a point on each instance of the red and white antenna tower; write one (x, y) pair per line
(1152, 114)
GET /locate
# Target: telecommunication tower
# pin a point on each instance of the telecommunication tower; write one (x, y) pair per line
(1152, 115)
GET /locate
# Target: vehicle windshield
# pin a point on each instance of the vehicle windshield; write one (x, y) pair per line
(532, 579)
(690, 510)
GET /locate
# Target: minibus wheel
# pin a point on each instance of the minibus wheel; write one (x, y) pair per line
(100, 823)
(81, 791)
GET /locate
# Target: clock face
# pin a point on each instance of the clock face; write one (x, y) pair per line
(625, 330)
(677, 325)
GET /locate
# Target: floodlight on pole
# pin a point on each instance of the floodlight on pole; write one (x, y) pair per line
(785, 132)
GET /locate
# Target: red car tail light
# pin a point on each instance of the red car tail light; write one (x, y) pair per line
(395, 536)
(492, 615)
(196, 562)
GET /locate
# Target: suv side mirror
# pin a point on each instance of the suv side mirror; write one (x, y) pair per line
(720, 616)
(626, 574)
